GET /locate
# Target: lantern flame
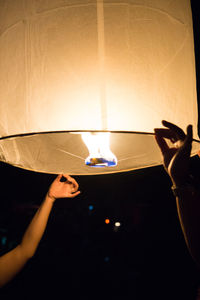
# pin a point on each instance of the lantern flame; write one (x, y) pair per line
(98, 145)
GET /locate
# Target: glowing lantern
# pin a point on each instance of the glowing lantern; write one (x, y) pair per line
(69, 66)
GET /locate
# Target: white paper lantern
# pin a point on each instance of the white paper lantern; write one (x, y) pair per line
(83, 65)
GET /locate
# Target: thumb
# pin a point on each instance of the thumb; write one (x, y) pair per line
(59, 177)
(187, 145)
(74, 194)
(188, 140)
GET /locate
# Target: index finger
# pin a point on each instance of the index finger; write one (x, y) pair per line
(177, 130)
(72, 180)
(165, 133)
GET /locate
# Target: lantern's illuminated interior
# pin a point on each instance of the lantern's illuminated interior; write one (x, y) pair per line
(74, 66)
(98, 145)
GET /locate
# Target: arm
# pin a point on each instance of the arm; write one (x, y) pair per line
(12, 262)
(176, 164)
(188, 207)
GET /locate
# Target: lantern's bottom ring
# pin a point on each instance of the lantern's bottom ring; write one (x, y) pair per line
(78, 132)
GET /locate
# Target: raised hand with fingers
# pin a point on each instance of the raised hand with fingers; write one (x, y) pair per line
(186, 186)
(175, 158)
(63, 189)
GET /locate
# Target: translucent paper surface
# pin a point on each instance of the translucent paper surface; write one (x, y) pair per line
(93, 65)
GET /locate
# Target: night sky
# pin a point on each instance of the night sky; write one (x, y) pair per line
(82, 257)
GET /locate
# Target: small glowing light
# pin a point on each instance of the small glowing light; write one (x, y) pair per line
(107, 221)
(3, 240)
(98, 144)
(117, 224)
(91, 207)
(106, 259)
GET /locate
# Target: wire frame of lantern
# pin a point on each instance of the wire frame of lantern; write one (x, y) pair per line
(98, 72)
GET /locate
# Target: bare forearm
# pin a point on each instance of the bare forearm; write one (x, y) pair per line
(36, 228)
(188, 206)
(12, 262)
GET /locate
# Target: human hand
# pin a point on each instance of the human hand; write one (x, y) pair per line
(175, 158)
(66, 189)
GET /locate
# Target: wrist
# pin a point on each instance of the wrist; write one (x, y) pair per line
(181, 181)
(185, 187)
(183, 190)
(50, 197)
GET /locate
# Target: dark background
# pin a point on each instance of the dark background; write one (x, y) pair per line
(81, 257)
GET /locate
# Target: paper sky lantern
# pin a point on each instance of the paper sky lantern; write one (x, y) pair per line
(69, 67)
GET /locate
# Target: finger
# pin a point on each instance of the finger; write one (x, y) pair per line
(166, 133)
(74, 194)
(185, 149)
(68, 177)
(161, 142)
(188, 140)
(73, 181)
(59, 177)
(179, 132)
(190, 132)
